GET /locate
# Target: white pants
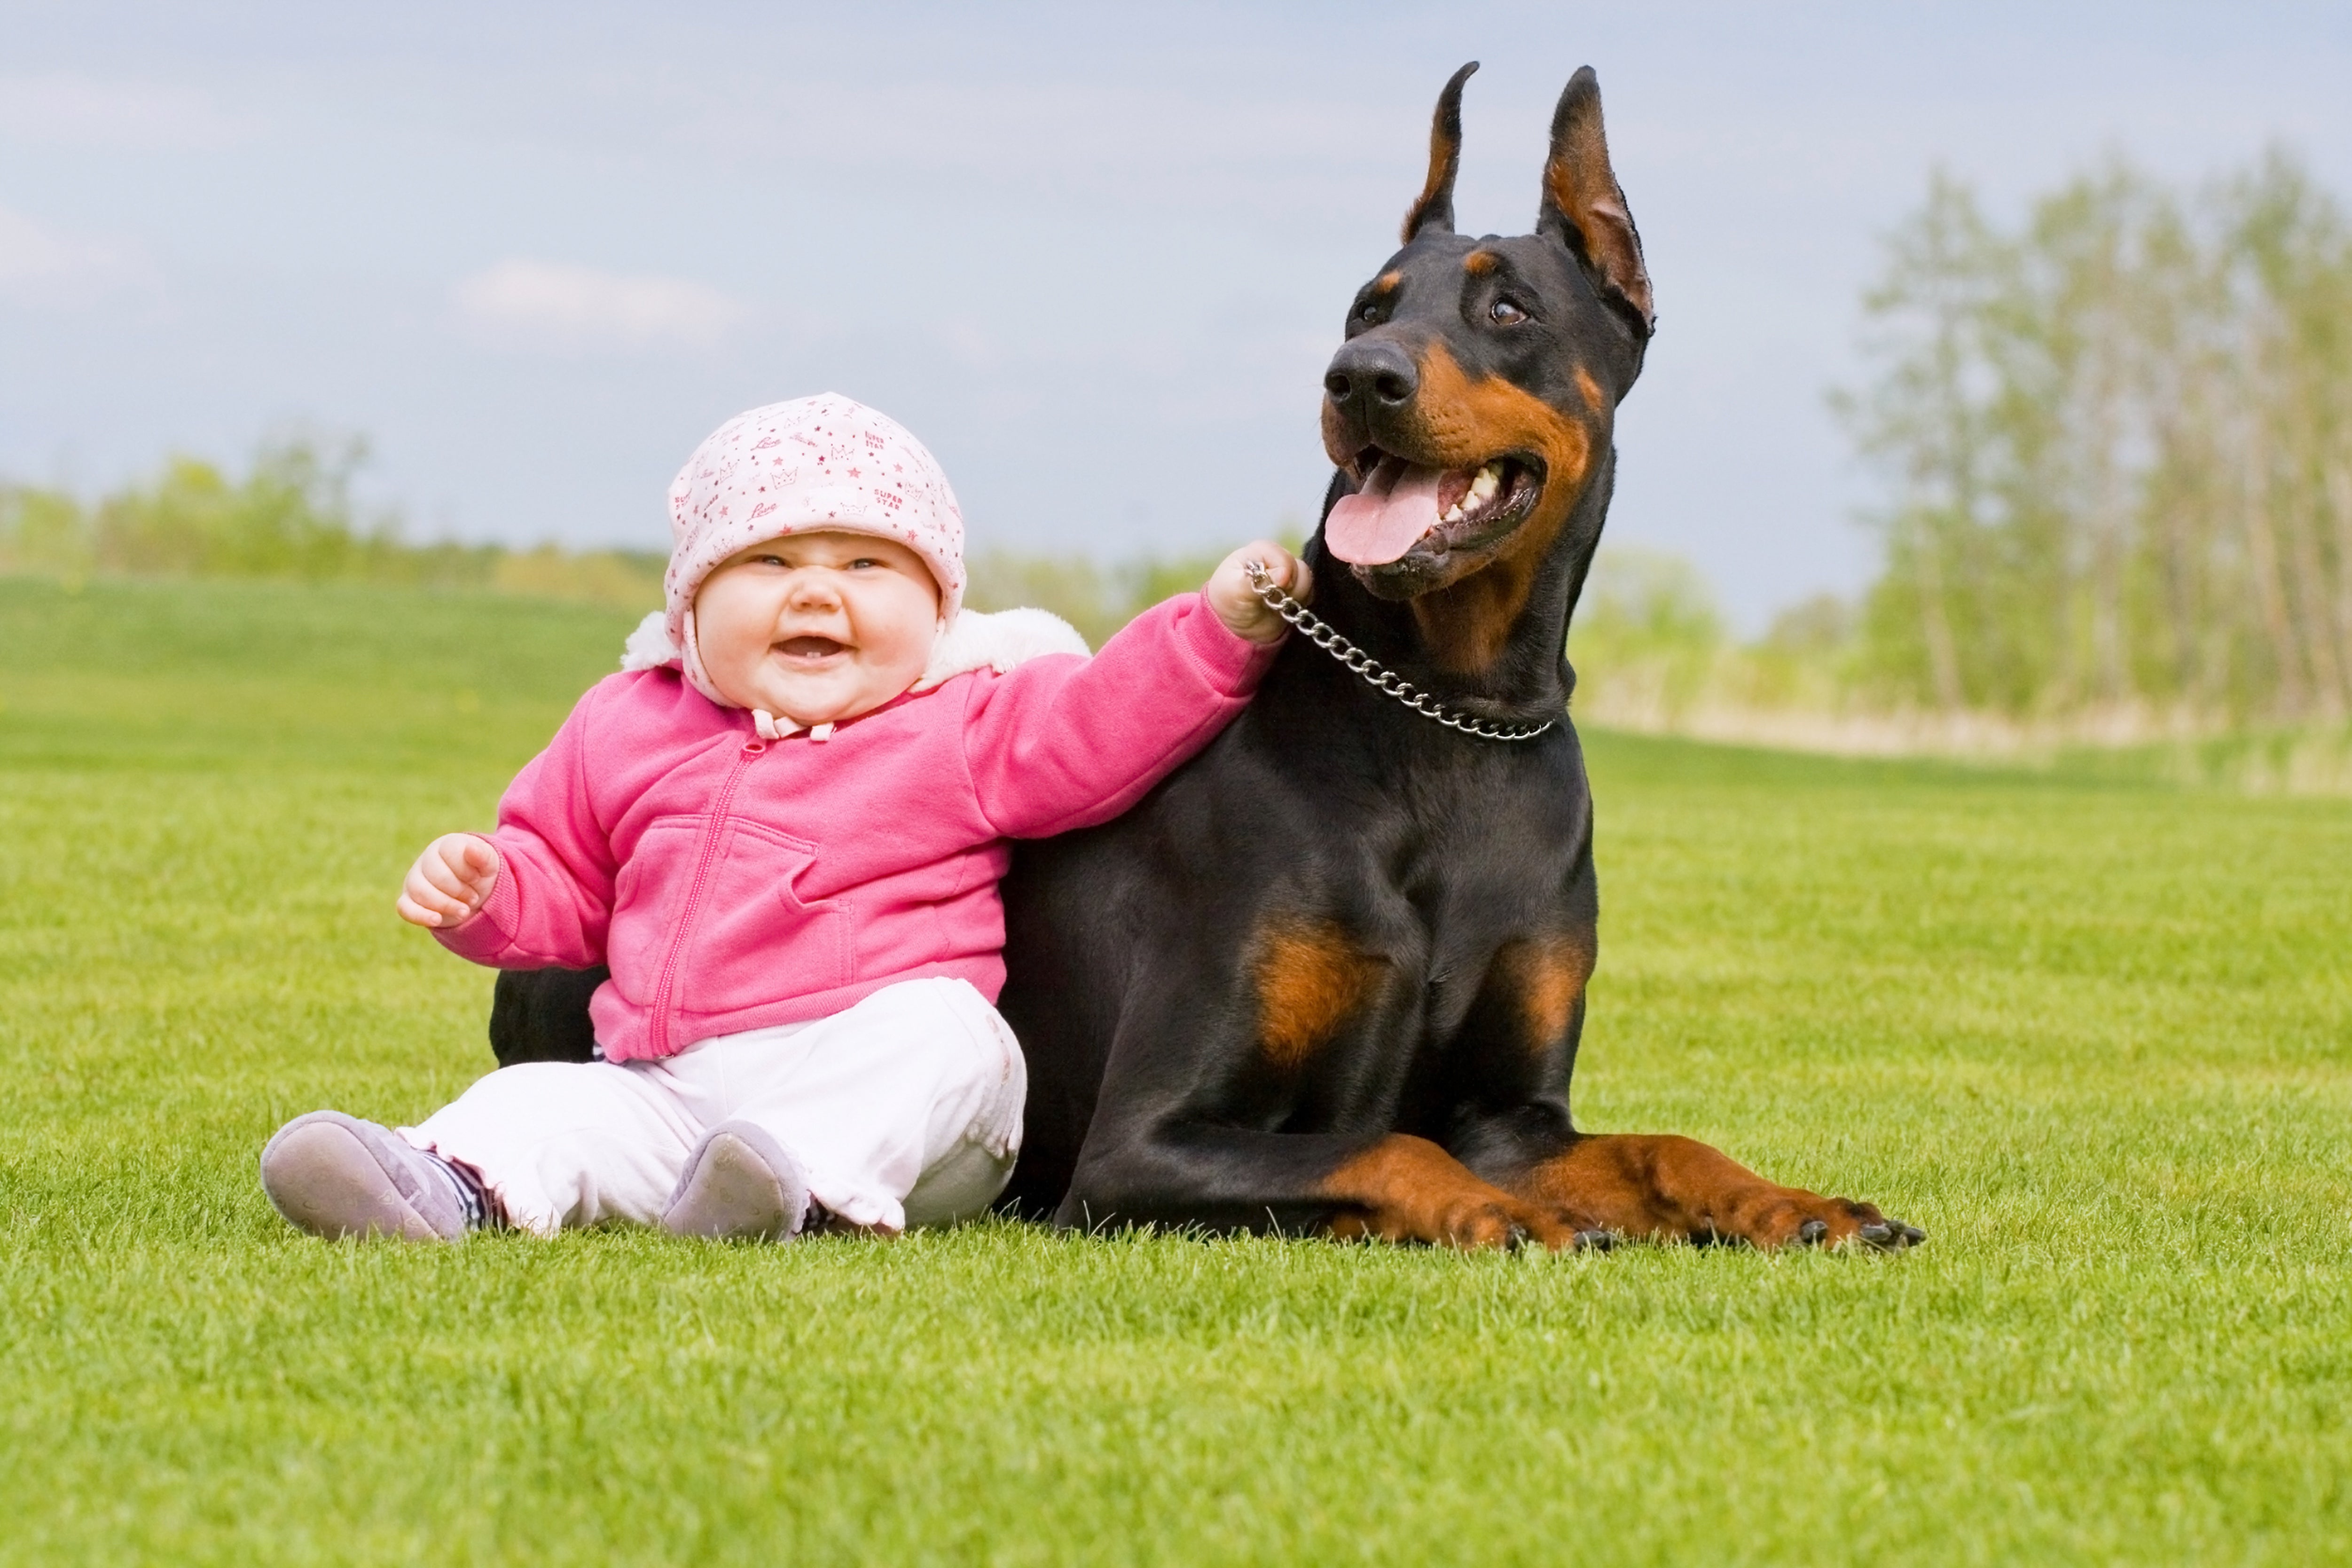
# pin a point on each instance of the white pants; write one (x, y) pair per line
(903, 1110)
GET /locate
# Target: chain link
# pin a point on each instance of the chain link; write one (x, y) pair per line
(1378, 675)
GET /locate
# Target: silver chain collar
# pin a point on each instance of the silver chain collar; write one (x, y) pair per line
(1379, 676)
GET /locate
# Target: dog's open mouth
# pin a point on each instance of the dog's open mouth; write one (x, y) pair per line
(1402, 504)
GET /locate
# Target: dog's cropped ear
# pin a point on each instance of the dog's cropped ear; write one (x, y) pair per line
(1434, 208)
(1584, 205)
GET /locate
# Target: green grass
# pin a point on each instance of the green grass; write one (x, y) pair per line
(2093, 1032)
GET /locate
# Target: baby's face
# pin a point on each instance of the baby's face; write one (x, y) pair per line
(817, 626)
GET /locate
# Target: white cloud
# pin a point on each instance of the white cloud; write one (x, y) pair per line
(42, 264)
(549, 303)
(84, 111)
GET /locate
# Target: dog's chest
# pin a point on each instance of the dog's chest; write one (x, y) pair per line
(1462, 861)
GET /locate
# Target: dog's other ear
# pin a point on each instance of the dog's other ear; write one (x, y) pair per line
(1434, 208)
(1584, 205)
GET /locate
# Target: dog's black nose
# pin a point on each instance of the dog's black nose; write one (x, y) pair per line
(1372, 372)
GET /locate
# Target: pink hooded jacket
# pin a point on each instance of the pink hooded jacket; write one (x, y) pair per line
(732, 883)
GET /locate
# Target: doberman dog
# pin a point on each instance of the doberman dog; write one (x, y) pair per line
(1329, 975)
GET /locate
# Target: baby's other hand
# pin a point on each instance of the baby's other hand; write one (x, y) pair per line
(1236, 603)
(450, 880)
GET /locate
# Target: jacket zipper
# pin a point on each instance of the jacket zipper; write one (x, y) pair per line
(710, 835)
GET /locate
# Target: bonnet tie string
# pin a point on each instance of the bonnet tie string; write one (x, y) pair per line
(769, 729)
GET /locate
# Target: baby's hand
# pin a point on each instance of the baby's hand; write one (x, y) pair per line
(449, 881)
(1236, 603)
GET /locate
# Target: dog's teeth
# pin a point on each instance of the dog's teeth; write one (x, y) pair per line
(1452, 513)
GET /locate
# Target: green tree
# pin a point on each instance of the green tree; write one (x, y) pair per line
(2116, 450)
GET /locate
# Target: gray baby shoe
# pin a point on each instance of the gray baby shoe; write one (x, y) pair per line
(336, 1176)
(739, 1184)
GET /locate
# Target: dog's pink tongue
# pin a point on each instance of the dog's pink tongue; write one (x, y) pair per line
(1373, 527)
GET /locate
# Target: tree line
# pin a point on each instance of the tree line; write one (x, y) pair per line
(2115, 445)
(289, 517)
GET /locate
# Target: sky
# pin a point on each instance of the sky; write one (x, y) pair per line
(1094, 257)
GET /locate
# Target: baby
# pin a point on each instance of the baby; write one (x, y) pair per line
(784, 835)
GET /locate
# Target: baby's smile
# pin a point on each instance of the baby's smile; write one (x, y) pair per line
(809, 652)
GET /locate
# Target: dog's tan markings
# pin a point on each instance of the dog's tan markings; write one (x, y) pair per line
(1310, 979)
(1580, 188)
(1335, 441)
(1463, 423)
(1478, 263)
(1434, 208)
(1388, 283)
(1466, 624)
(1590, 389)
(1408, 1189)
(1669, 1188)
(1597, 206)
(1546, 977)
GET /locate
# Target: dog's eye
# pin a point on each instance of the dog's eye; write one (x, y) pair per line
(1369, 311)
(1503, 313)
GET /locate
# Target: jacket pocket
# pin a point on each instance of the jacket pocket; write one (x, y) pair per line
(754, 941)
(649, 901)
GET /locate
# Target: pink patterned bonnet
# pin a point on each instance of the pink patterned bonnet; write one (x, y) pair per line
(822, 462)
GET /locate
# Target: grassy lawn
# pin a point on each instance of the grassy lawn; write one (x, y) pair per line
(2093, 1033)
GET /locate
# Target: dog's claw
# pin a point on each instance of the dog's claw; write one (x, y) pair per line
(1515, 1238)
(1890, 1235)
(1809, 1234)
(1592, 1241)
